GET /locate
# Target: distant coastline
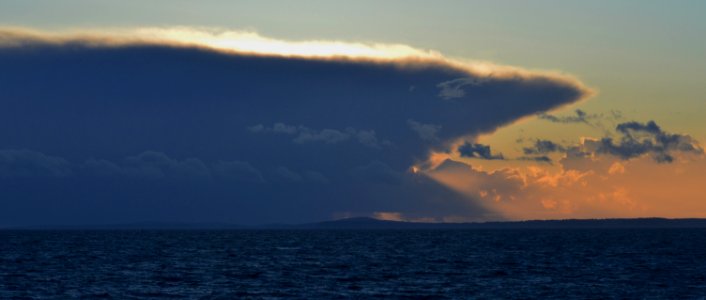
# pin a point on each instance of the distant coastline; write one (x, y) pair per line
(365, 223)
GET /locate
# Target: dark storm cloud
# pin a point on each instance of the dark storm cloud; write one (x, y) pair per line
(238, 137)
(477, 151)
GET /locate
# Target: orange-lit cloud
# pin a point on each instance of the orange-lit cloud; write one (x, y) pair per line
(585, 186)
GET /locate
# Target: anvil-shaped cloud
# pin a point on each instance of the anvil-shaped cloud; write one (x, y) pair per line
(271, 130)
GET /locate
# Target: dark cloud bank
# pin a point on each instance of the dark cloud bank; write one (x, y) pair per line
(91, 133)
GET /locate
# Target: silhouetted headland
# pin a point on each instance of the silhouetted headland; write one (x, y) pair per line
(366, 223)
(371, 223)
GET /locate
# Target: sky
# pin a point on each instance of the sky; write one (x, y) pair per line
(264, 111)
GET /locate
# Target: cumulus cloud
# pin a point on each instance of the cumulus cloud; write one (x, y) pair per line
(146, 165)
(283, 174)
(603, 121)
(426, 132)
(543, 147)
(583, 187)
(155, 165)
(455, 88)
(330, 136)
(216, 108)
(579, 117)
(368, 138)
(238, 170)
(288, 175)
(636, 139)
(315, 177)
(480, 151)
(644, 138)
(22, 163)
(101, 168)
(303, 134)
(645, 172)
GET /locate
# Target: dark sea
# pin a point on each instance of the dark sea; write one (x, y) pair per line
(311, 264)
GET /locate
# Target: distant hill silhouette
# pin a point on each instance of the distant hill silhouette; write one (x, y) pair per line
(371, 223)
(365, 223)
